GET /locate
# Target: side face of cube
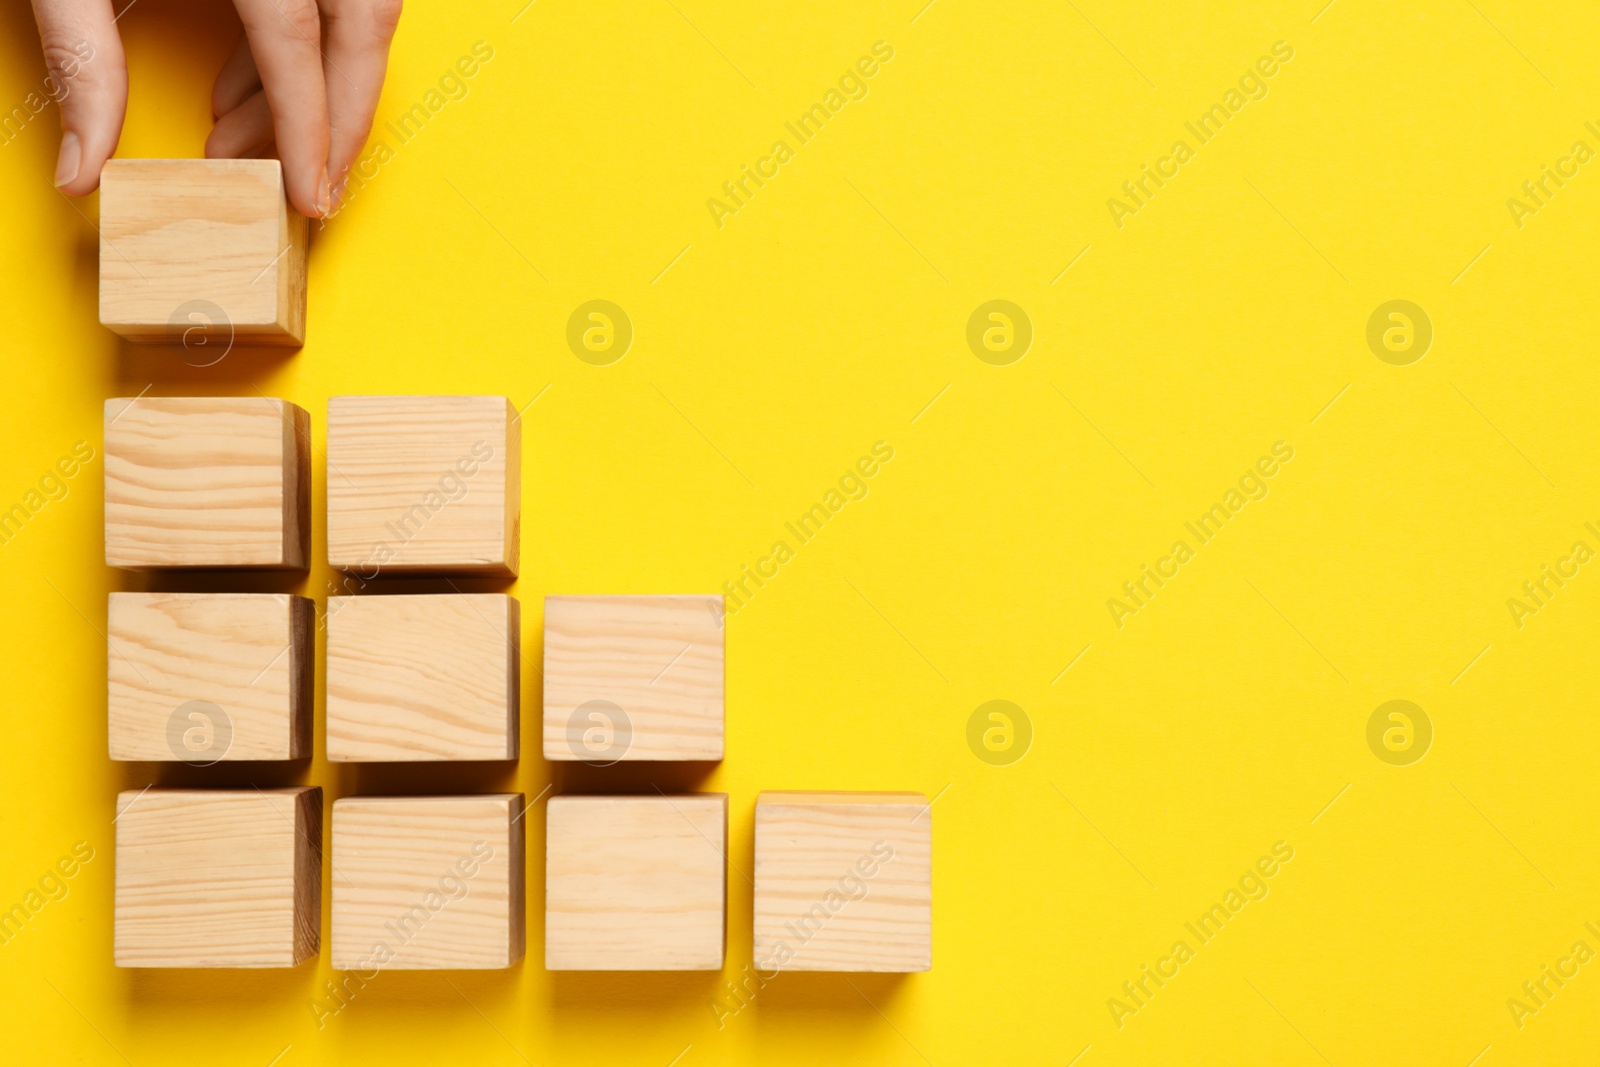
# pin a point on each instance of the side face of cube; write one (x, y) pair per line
(201, 252)
(423, 677)
(218, 878)
(206, 482)
(843, 882)
(633, 678)
(636, 883)
(428, 883)
(205, 677)
(424, 485)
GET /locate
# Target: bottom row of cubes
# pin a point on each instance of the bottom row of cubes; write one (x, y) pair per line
(233, 878)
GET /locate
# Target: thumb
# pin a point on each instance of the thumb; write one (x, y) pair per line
(88, 78)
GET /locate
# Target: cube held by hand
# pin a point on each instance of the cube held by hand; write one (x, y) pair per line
(203, 253)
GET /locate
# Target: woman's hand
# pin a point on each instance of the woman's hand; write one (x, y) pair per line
(302, 84)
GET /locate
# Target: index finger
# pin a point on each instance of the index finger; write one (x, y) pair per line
(358, 34)
(285, 38)
(88, 79)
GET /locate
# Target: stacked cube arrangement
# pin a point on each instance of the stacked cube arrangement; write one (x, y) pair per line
(416, 485)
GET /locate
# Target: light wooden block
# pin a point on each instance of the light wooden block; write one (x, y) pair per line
(207, 482)
(844, 882)
(636, 883)
(426, 677)
(425, 883)
(203, 677)
(424, 485)
(196, 235)
(218, 878)
(633, 678)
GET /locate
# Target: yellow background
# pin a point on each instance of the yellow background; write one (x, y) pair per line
(1228, 714)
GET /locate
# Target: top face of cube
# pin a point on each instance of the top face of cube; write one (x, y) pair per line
(843, 882)
(201, 241)
(428, 882)
(206, 482)
(636, 883)
(433, 676)
(218, 878)
(424, 484)
(205, 677)
(633, 678)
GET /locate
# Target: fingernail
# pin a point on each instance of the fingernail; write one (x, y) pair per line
(324, 194)
(341, 190)
(67, 163)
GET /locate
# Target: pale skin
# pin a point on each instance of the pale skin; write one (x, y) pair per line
(301, 85)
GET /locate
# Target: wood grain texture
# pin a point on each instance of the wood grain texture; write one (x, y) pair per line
(844, 882)
(218, 878)
(248, 654)
(207, 482)
(424, 677)
(175, 231)
(424, 484)
(636, 883)
(428, 882)
(659, 659)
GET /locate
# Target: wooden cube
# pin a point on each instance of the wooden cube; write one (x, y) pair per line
(635, 883)
(203, 677)
(191, 241)
(844, 882)
(424, 485)
(218, 878)
(633, 678)
(427, 677)
(425, 883)
(207, 482)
